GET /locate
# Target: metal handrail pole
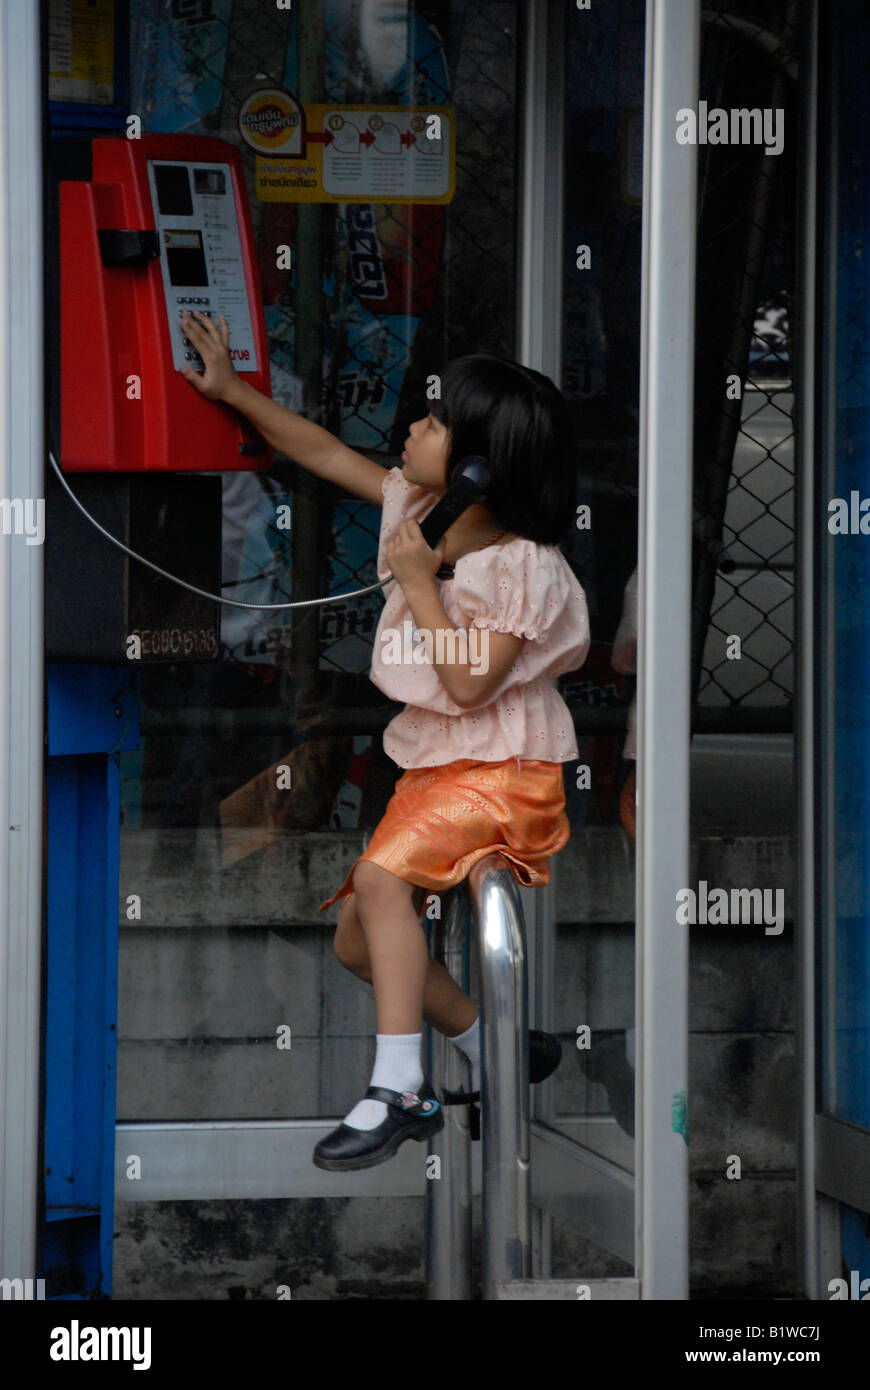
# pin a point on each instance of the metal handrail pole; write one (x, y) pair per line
(448, 1194)
(504, 1074)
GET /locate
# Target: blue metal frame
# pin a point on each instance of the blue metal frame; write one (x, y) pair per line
(843, 614)
(844, 587)
(92, 717)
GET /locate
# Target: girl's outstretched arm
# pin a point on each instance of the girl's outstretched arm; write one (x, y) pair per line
(300, 439)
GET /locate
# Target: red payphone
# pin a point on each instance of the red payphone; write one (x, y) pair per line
(163, 226)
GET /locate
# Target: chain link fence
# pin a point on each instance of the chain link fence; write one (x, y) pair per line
(743, 612)
(380, 296)
(743, 553)
(386, 294)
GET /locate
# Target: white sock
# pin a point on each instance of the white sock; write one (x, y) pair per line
(469, 1044)
(397, 1067)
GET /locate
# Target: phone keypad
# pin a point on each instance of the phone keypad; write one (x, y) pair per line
(199, 300)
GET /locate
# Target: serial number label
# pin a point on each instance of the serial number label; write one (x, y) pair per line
(176, 641)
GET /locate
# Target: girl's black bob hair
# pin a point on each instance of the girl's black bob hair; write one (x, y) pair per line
(518, 420)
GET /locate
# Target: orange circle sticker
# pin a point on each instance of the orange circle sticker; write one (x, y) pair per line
(272, 122)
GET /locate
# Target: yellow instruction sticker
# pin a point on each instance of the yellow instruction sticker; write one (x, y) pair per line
(344, 154)
(81, 51)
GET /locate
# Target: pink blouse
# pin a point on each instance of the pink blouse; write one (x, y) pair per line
(520, 587)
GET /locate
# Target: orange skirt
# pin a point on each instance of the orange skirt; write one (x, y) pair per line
(441, 820)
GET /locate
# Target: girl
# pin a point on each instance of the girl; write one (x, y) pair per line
(484, 731)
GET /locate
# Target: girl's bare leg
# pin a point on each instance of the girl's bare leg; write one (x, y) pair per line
(396, 947)
(445, 1005)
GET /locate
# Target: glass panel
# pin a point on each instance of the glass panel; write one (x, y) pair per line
(229, 948)
(844, 613)
(593, 1090)
(742, 755)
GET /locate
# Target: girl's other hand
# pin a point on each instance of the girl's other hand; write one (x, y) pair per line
(213, 345)
(409, 557)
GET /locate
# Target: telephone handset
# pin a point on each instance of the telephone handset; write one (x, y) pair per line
(469, 484)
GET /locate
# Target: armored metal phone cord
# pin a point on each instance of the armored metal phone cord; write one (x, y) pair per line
(203, 593)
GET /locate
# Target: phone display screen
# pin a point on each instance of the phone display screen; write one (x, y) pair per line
(185, 257)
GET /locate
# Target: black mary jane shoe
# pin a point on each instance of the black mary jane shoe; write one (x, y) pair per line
(410, 1115)
(545, 1054)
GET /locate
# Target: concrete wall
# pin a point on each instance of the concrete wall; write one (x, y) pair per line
(219, 959)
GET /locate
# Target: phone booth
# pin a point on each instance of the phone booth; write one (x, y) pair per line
(213, 760)
(213, 1118)
(237, 1045)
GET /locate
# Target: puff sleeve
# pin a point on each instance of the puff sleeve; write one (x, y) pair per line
(403, 501)
(528, 590)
